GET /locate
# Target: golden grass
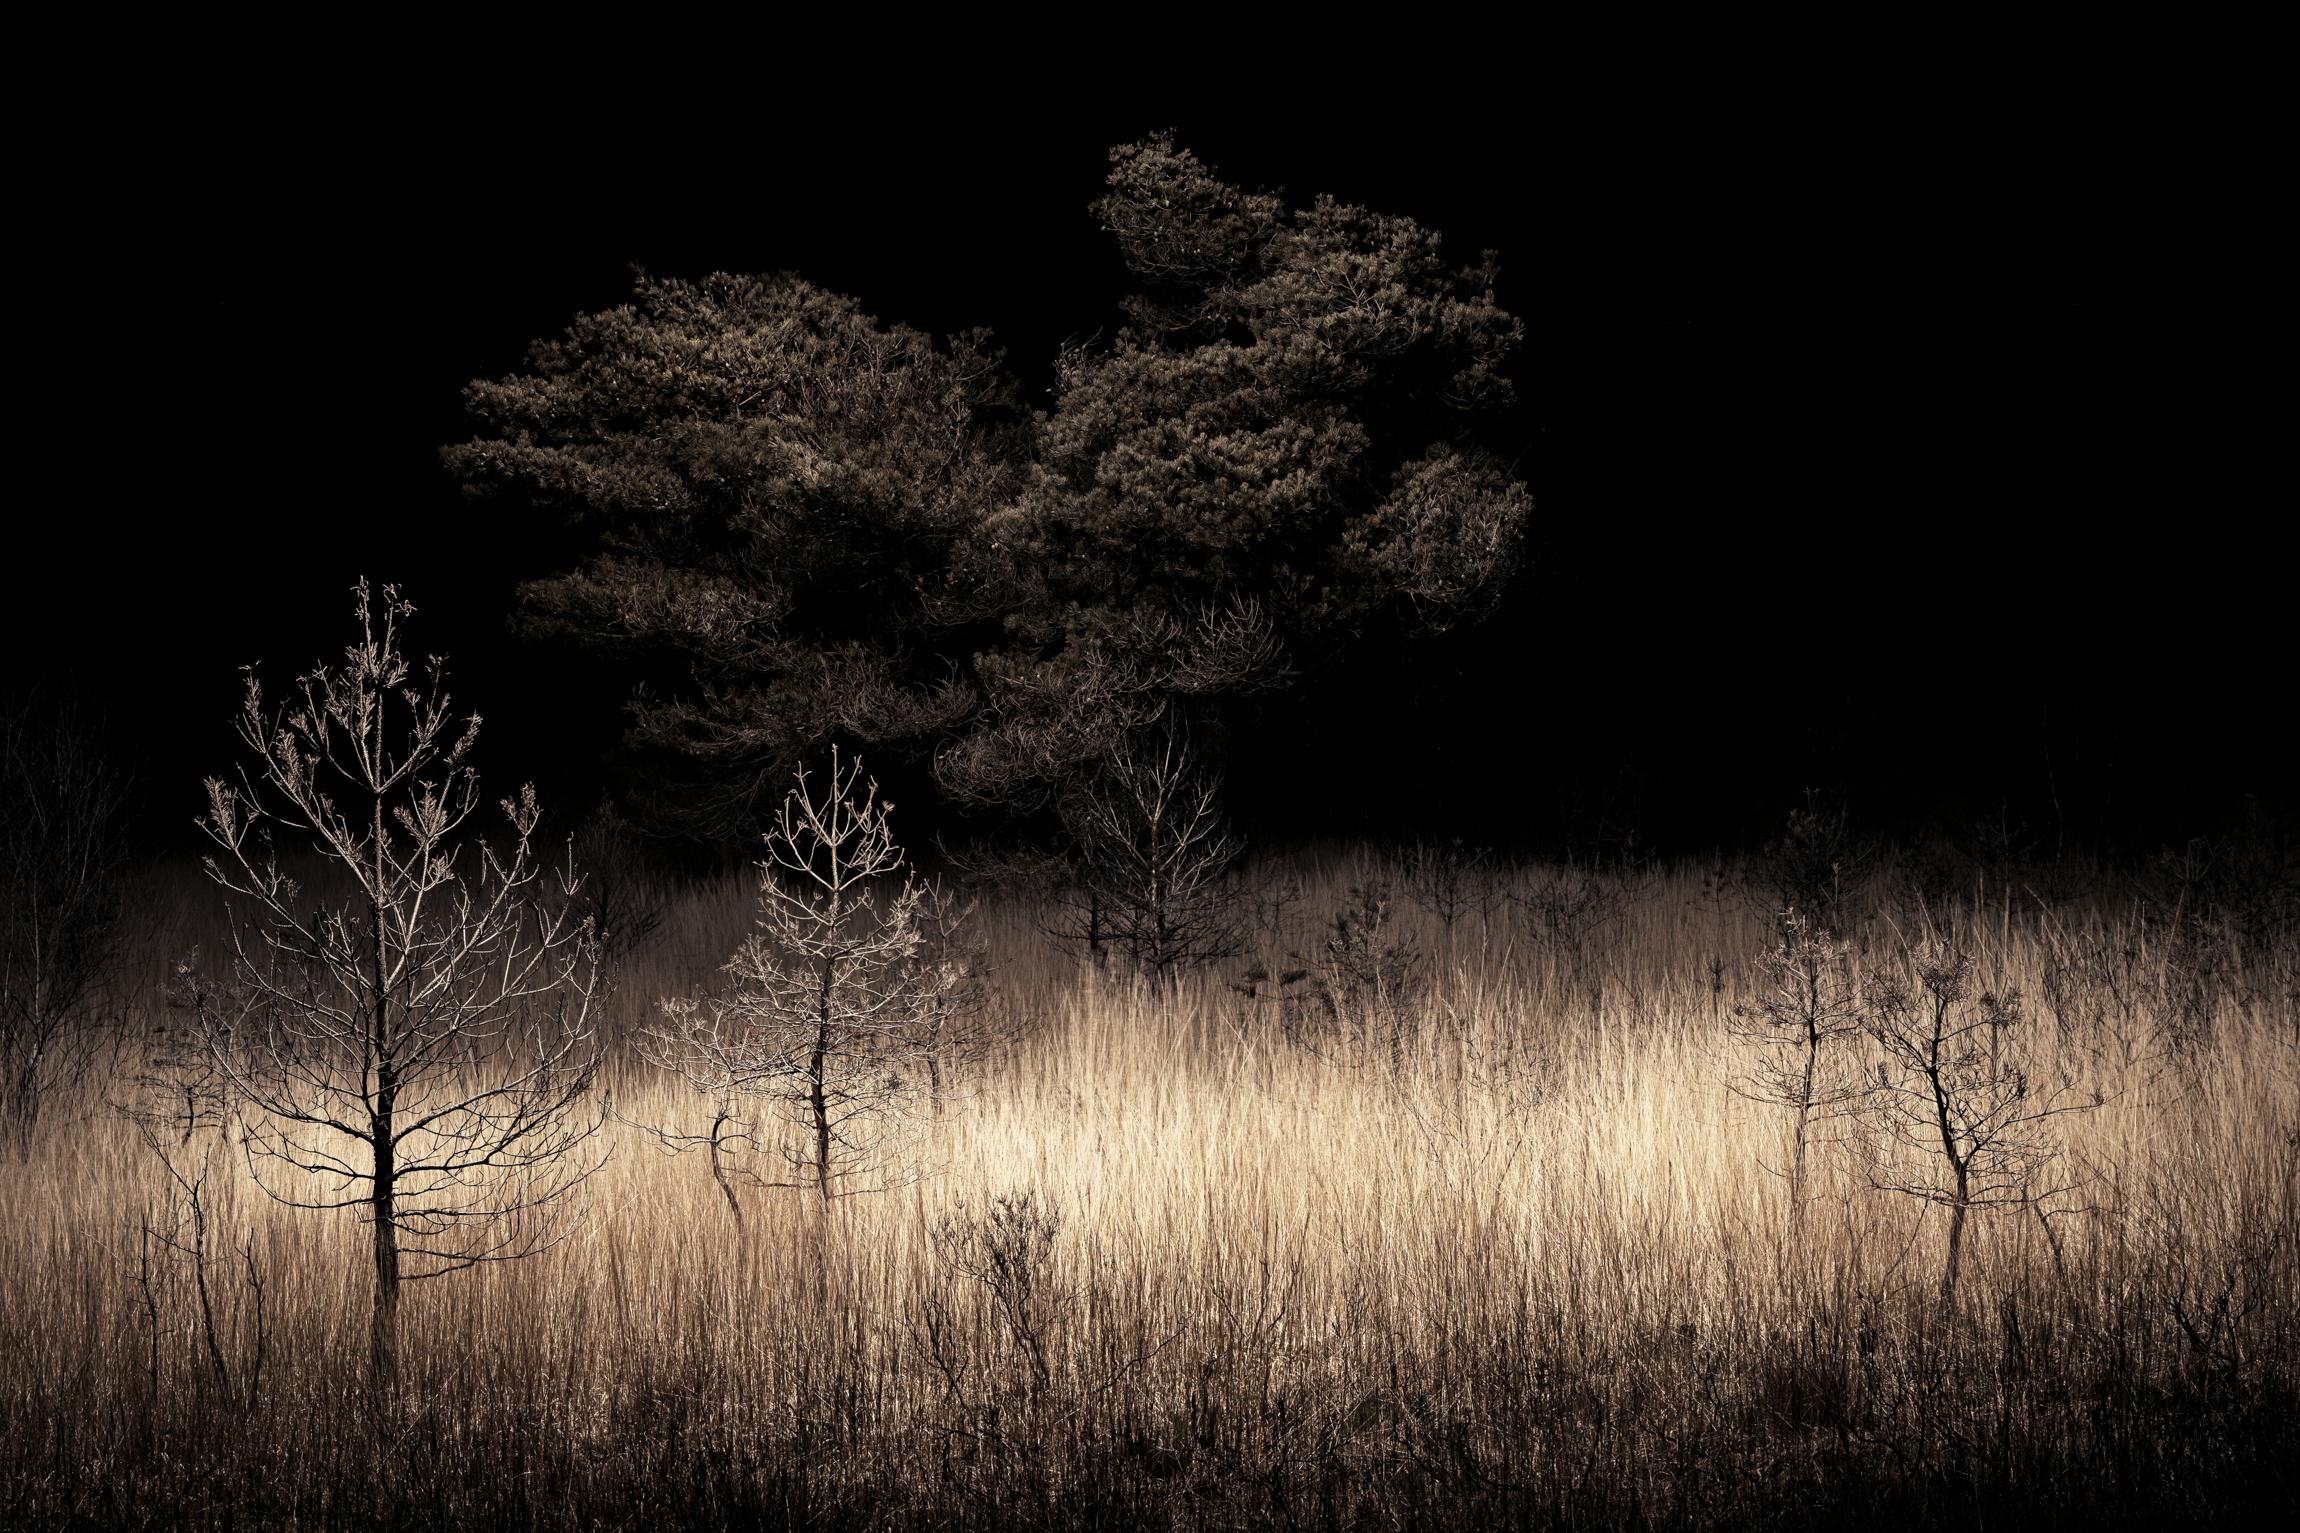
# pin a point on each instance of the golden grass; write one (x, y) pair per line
(1535, 1269)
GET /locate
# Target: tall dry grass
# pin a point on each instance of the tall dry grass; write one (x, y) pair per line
(1523, 1257)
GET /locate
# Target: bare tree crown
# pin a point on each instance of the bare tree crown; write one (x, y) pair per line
(841, 1009)
(421, 1049)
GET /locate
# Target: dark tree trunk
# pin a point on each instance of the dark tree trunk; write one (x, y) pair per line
(383, 1211)
(1804, 1124)
(383, 1325)
(718, 1170)
(1957, 1212)
(818, 1099)
(21, 1112)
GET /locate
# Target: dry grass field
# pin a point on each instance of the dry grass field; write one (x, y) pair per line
(1498, 1245)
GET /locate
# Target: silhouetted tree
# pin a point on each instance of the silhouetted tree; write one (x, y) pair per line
(1281, 442)
(1155, 857)
(1815, 865)
(807, 527)
(61, 853)
(841, 1008)
(1798, 1025)
(421, 1050)
(1960, 1114)
(770, 483)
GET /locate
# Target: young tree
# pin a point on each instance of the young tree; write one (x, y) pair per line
(955, 1028)
(1365, 980)
(1156, 856)
(1054, 722)
(181, 1086)
(723, 1054)
(1961, 1122)
(1009, 1251)
(420, 1049)
(236, 1310)
(1807, 1009)
(624, 896)
(1451, 879)
(841, 1008)
(61, 852)
(1815, 865)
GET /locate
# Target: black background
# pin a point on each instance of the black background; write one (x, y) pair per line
(1930, 462)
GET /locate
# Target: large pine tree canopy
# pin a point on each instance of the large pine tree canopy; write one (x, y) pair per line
(796, 525)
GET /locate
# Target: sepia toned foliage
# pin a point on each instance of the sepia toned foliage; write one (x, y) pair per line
(1053, 724)
(418, 1049)
(1568, 907)
(1371, 972)
(770, 484)
(1280, 439)
(1815, 864)
(229, 1294)
(798, 526)
(1453, 881)
(182, 1087)
(1008, 1251)
(623, 894)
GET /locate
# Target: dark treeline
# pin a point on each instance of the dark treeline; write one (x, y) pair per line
(1908, 494)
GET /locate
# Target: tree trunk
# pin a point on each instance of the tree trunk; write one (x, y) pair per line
(818, 1099)
(21, 1112)
(934, 1062)
(383, 1210)
(383, 1325)
(1797, 1178)
(1957, 1212)
(223, 1374)
(1804, 1122)
(718, 1171)
(2051, 1240)
(1959, 1163)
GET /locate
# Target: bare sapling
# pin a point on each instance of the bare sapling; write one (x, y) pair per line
(180, 1087)
(1818, 864)
(1370, 973)
(1451, 880)
(1359, 996)
(729, 1058)
(622, 894)
(1961, 1121)
(61, 854)
(956, 1026)
(1158, 856)
(1008, 1250)
(420, 1049)
(1799, 1027)
(1566, 906)
(842, 1008)
(229, 1304)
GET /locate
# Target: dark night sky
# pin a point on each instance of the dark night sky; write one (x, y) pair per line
(1889, 461)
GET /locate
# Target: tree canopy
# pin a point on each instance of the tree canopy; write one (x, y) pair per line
(769, 484)
(1277, 453)
(803, 525)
